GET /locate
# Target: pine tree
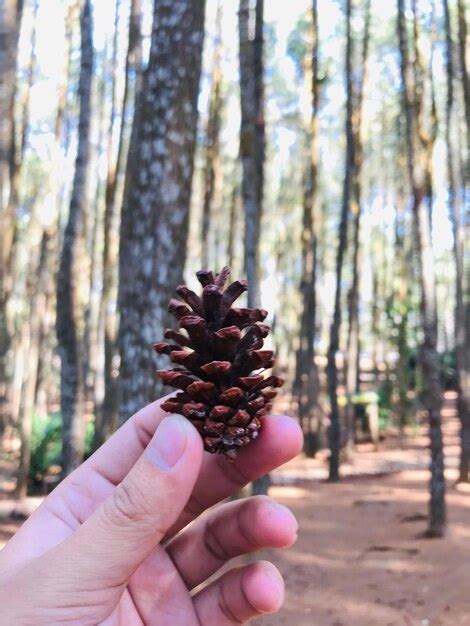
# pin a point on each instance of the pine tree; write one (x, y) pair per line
(68, 310)
(419, 141)
(155, 213)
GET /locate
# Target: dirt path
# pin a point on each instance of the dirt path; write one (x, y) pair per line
(360, 560)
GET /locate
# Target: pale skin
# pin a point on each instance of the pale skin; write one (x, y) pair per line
(112, 544)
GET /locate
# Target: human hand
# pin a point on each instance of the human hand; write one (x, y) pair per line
(111, 545)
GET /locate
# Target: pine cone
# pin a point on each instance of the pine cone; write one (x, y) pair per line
(219, 364)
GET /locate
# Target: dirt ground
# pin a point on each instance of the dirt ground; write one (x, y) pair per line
(360, 559)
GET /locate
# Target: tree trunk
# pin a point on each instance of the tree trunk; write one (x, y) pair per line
(334, 433)
(252, 149)
(306, 376)
(355, 208)
(68, 315)
(47, 345)
(419, 152)
(232, 221)
(462, 39)
(154, 223)
(10, 21)
(38, 311)
(211, 171)
(252, 138)
(461, 336)
(107, 415)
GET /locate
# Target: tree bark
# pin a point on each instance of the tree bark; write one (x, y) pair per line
(419, 151)
(306, 376)
(68, 314)
(45, 383)
(232, 221)
(461, 336)
(252, 138)
(38, 291)
(252, 149)
(10, 21)
(355, 208)
(211, 171)
(107, 415)
(334, 433)
(155, 214)
(462, 47)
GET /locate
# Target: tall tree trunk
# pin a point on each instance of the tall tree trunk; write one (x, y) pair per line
(107, 416)
(462, 41)
(10, 21)
(252, 138)
(306, 376)
(355, 208)
(211, 170)
(68, 314)
(45, 367)
(38, 291)
(155, 214)
(334, 432)
(252, 148)
(461, 336)
(419, 152)
(29, 324)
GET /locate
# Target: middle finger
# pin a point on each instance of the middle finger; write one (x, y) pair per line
(228, 531)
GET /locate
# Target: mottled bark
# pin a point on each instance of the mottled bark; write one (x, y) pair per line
(334, 433)
(252, 137)
(211, 171)
(155, 214)
(10, 21)
(306, 375)
(107, 416)
(461, 336)
(68, 309)
(419, 151)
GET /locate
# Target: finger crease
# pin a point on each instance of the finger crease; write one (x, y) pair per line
(225, 608)
(143, 435)
(213, 545)
(244, 532)
(246, 598)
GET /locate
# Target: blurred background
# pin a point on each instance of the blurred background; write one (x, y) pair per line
(320, 148)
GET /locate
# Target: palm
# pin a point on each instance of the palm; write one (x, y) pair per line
(158, 590)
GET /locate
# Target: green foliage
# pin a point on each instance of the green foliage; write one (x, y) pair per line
(448, 370)
(46, 444)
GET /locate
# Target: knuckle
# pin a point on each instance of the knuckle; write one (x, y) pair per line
(127, 505)
(214, 544)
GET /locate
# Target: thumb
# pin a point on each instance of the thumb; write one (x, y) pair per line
(111, 544)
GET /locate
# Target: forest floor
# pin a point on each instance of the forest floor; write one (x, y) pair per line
(361, 559)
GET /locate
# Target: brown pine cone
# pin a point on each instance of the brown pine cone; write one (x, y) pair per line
(219, 364)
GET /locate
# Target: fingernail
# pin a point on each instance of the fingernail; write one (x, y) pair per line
(169, 442)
